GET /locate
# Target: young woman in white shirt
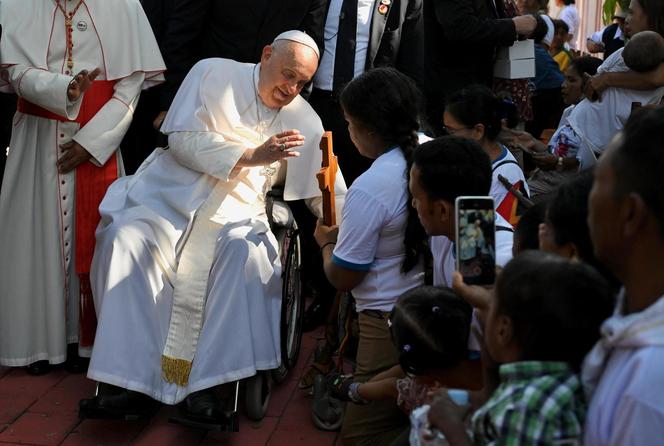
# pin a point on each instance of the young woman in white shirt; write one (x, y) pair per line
(377, 251)
(476, 113)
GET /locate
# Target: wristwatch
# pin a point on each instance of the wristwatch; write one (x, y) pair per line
(559, 164)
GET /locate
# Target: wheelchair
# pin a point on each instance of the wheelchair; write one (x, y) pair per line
(286, 232)
(256, 389)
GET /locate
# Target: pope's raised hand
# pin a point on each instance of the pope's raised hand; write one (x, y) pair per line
(81, 83)
(277, 147)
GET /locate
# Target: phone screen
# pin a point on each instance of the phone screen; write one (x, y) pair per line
(475, 240)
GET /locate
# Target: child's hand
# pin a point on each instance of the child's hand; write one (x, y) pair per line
(325, 234)
(594, 86)
(448, 417)
(339, 385)
(444, 411)
(479, 297)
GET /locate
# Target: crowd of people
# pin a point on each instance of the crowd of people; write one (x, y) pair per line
(135, 244)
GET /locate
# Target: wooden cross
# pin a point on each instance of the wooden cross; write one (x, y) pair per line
(326, 176)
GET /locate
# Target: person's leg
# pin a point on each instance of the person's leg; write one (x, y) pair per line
(379, 422)
(544, 182)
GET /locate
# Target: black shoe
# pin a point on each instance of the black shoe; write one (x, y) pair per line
(38, 368)
(202, 407)
(74, 362)
(327, 412)
(116, 403)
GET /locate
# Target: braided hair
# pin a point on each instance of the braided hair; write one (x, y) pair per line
(389, 103)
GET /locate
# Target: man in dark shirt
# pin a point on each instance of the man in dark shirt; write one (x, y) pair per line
(239, 29)
(611, 38)
(460, 40)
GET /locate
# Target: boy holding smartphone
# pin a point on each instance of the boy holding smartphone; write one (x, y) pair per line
(444, 169)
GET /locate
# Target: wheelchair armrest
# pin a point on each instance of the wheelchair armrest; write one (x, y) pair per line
(278, 213)
(281, 215)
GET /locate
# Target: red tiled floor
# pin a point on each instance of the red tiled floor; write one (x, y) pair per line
(168, 434)
(43, 411)
(40, 429)
(297, 415)
(317, 438)
(251, 433)
(18, 382)
(12, 406)
(280, 397)
(65, 395)
(103, 433)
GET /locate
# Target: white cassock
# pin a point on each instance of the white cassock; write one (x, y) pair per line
(39, 291)
(149, 221)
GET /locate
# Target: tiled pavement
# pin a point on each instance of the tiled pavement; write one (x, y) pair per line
(44, 411)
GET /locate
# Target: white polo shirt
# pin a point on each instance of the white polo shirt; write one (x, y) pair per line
(371, 234)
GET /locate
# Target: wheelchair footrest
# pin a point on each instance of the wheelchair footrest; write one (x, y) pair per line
(228, 423)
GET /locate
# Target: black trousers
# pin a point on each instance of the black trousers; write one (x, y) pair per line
(328, 108)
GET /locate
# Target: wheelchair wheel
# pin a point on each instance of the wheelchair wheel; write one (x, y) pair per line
(257, 395)
(292, 305)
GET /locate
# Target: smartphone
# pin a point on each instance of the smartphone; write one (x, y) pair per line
(476, 239)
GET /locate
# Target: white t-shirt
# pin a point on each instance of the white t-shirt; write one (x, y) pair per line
(507, 166)
(597, 122)
(627, 404)
(570, 15)
(371, 234)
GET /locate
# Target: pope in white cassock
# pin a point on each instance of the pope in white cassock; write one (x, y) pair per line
(186, 275)
(78, 67)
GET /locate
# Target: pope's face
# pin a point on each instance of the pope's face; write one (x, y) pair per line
(286, 67)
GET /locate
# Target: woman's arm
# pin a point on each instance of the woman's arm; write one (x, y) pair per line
(347, 264)
(343, 279)
(393, 372)
(631, 80)
(383, 389)
(548, 161)
(524, 140)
